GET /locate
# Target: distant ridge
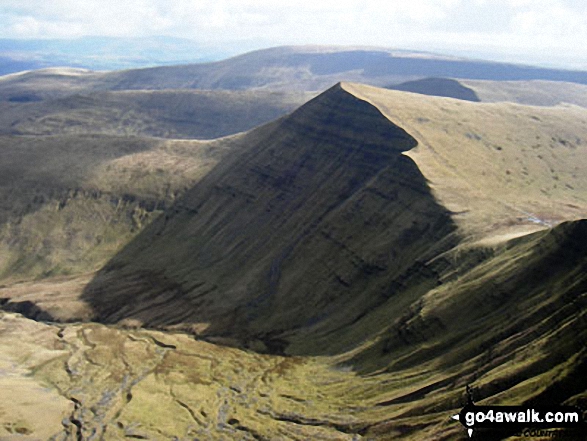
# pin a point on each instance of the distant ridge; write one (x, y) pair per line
(439, 87)
(194, 114)
(289, 68)
(311, 69)
(346, 271)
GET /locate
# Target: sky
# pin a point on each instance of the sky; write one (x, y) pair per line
(541, 32)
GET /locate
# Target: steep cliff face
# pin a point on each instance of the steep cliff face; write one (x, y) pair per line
(317, 219)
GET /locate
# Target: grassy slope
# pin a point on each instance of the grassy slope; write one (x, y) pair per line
(534, 93)
(516, 336)
(168, 114)
(70, 202)
(413, 315)
(503, 169)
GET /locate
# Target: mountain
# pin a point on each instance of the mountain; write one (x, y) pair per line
(303, 183)
(305, 68)
(251, 226)
(343, 272)
(534, 93)
(438, 87)
(175, 114)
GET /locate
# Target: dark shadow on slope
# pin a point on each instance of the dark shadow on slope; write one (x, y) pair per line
(518, 303)
(504, 327)
(47, 174)
(289, 244)
(445, 87)
(189, 114)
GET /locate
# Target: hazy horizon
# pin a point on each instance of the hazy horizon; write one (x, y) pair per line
(541, 33)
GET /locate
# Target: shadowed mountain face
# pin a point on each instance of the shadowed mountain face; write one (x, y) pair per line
(416, 244)
(298, 233)
(70, 202)
(439, 87)
(164, 114)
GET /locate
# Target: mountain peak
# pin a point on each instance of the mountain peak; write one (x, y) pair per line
(329, 181)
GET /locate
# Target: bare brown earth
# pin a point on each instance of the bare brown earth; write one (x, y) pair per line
(341, 273)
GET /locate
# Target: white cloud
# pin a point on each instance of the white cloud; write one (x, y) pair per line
(505, 26)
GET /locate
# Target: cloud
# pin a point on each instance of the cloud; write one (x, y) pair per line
(505, 26)
(237, 17)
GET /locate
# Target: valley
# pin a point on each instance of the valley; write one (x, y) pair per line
(285, 262)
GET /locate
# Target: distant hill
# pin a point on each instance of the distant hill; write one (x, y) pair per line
(283, 68)
(438, 87)
(343, 272)
(166, 114)
(535, 93)
(311, 68)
